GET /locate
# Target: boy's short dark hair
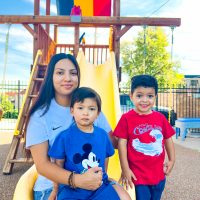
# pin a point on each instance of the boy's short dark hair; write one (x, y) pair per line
(144, 81)
(80, 94)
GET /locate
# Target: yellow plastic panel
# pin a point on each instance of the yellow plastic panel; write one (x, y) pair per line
(103, 78)
(24, 188)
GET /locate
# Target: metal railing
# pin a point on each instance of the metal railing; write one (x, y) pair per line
(184, 102)
(11, 98)
(13, 91)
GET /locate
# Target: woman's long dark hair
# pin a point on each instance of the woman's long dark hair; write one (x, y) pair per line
(47, 91)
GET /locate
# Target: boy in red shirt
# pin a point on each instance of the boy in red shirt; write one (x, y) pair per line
(144, 135)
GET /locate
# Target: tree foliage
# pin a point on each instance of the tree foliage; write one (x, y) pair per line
(7, 107)
(148, 55)
(5, 104)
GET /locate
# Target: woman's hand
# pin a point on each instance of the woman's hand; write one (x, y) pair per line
(90, 180)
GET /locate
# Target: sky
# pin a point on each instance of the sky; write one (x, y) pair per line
(186, 48)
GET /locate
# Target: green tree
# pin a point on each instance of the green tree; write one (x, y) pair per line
(148, 55)
(6, 105)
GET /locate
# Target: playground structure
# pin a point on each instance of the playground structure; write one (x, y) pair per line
(44, 47)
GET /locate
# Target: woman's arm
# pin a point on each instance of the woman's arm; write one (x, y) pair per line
(113, 139)
(90, 180)
(54, 192)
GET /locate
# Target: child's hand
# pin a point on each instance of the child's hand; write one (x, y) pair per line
(127, 177)
(168, 167)
(111, 179)
(53, 195)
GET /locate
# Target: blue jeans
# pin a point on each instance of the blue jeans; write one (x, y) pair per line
(42, 195)
(150, 192)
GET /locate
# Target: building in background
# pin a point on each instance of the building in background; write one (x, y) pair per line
(192, 80)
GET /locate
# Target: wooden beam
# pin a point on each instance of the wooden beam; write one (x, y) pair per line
(123, 31)
(31, 31)
(90, 21)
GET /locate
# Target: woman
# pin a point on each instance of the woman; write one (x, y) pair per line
(48, 117)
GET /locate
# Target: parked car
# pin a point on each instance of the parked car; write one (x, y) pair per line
(126, 104)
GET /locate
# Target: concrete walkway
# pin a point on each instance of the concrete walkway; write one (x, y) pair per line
(192, 141)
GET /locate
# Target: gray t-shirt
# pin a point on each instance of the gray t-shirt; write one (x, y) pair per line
(47, 127)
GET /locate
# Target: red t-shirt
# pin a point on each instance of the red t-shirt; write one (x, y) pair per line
(146, 135)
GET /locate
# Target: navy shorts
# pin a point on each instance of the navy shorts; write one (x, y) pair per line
(150, 192)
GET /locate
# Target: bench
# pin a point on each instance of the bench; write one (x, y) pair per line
(182, 124)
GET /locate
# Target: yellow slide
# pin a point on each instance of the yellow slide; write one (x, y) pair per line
(102, 78)
(24, 188)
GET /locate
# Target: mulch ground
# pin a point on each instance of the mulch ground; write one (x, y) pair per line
(8, 182)
(184, 181)
(182, 184)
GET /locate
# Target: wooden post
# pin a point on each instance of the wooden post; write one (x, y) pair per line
(36, 7)
(35, 39)
(48, 3)
(116, 8)
(116, 40)
(76, 40)
(56, 33)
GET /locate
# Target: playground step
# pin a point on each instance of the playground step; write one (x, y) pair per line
(33, 95)
(38, 79)
(21, 160)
